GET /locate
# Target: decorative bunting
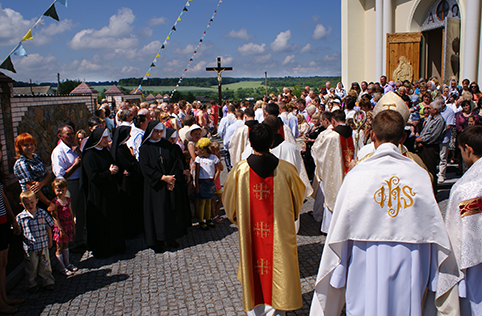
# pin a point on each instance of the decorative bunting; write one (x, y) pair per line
(197, 48)
(51, 12)
(39, 22)
(7, 64)
(62, 2)
(19, 50)
(28, 36)
(164, 43)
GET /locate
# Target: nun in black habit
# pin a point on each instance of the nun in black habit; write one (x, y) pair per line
(167, 213)
(130, 183)
(99, 183)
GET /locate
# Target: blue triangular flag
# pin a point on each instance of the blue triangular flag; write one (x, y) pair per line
(62, 2)
(19, 50)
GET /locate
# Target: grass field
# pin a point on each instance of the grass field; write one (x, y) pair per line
(156, 89)
(168, 89)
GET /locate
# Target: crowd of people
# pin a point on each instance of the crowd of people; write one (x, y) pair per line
(150, 168)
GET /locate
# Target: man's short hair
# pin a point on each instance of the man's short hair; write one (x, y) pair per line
(437, 104)
(261, 137)
(188, 120)
(274, 122)
(141, 118)
(124, 114)
(326, 115)
(388, 126)
(249, 112)
(239, 114)
(93, 121)
(231, 108)
(282, 105)
(338, 115)
(272, 109)
(350, 102)
(301, 101)
(61, 128)
(472, 137)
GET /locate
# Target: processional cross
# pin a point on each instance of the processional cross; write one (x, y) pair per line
(219, 70)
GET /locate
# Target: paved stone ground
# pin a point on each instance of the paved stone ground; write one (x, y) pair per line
(197, 279)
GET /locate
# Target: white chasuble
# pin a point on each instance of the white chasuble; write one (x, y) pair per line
(386, 242)
(464, 226)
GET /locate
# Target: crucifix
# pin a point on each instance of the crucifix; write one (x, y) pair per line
(219, 70)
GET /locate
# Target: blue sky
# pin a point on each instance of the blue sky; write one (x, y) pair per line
(113, 39)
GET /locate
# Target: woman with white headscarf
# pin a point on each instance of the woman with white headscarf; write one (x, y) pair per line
(99, 182)
(167, 213)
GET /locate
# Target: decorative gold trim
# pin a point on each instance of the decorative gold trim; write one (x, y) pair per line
(470, 207)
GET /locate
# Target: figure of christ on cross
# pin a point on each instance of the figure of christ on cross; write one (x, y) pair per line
(219, 70)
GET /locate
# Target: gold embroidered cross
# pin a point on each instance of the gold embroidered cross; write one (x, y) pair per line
(262, 229)
(261, 191)
(262, 266)
(388, 106)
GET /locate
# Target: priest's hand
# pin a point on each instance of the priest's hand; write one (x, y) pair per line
(170, 180)
(113, 169)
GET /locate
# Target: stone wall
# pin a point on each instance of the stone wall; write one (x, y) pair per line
(40, 116)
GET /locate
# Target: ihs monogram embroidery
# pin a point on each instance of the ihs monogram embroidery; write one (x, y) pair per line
(395, 196)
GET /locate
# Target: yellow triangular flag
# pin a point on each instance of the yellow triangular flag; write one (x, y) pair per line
(28, 36)
(148, 73)
(168, 37)
(179, 19)
(157, 56)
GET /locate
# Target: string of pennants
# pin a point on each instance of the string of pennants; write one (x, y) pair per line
(153, 64)
(197, 48)
(19, 50)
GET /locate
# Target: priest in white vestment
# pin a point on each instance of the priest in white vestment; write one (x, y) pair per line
(463, 220)
(240, 139)
(387, 239)
(332, 151)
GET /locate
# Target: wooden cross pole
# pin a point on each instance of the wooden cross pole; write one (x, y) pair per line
(219, 70)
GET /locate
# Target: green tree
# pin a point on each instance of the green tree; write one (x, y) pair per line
(68, 85)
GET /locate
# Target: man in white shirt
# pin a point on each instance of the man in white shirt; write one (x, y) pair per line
(226, 121)
(288, 119)
(229, 134)
(65, 164)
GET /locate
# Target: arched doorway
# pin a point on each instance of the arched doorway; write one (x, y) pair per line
(440, 46)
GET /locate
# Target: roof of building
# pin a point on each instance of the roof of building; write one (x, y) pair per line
(84, 88)
(114, 90)
(159, 96)
(150, 97)
(37, 90)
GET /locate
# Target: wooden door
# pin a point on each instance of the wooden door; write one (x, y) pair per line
(451, 65)
(405, 45)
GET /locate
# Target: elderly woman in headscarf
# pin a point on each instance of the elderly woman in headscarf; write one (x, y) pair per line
(130, 178)
(99, 181)
(167, 213)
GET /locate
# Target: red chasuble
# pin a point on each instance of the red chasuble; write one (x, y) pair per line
(347, 152)
(261, 206)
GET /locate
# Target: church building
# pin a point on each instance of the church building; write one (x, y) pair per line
(410, 39)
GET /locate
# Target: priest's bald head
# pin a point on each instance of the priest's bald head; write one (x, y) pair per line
(388, 127)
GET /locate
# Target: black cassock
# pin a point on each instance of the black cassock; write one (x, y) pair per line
(103, 223)
(131, 185)
(167, 214)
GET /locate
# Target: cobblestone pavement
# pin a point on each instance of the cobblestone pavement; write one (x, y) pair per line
(197, 279)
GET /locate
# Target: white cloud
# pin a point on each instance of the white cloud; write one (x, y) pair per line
(117, 35)
(262, 59)
(251, 49)
(199, 67)
(12, 27)
(89, 66)
(280, 44)
(157, 21)
(313, 64)
(151, 48)
(227, 59)
(130, 70)
(321, 31)
(332, 57)
(145, 32)
(242, 34)
(189, 49)
(306, 48)
(289, 59)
